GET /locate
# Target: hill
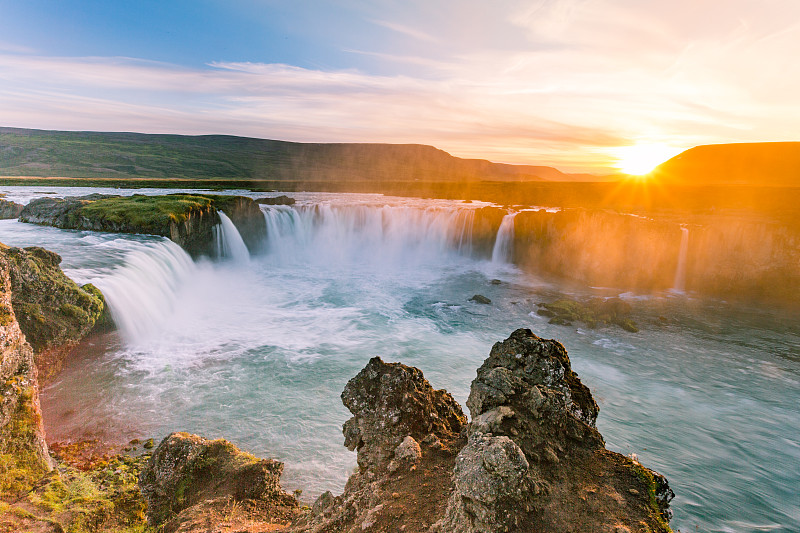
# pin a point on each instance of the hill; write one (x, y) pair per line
(25, 152)
(774, 164)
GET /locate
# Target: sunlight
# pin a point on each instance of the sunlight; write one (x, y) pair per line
(641, 158)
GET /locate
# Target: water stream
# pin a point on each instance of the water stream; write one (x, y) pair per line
(259, 350)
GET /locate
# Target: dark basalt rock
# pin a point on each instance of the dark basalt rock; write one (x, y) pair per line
(9, 209)
(276, 200)
(480, 299)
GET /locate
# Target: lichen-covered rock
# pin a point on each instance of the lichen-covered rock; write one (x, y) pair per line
(407, 435)
(276, 200)
(389, 402)
(23, 451)
(9, 209)
(185, 470)
(53, 312)
(534, 460)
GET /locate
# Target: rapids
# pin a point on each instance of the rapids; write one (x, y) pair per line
(258, 348)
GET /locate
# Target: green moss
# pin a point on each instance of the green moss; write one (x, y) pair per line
(150, 214)
(103, 499)
(21, 461)
(647, 478)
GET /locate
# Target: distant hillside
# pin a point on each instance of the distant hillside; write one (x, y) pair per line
(134, 155)
(774, 164)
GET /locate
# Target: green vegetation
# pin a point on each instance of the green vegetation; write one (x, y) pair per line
(646, 476)
(150, 213)
(21, 463)
(594, 313)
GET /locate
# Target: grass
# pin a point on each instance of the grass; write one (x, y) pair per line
(148, 212)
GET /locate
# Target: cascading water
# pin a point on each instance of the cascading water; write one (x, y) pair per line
(386, 234)
(679, 285)
(504, 243)
(142, 292)
(228, 241)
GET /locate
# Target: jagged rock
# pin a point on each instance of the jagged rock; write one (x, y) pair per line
(276, 200)
(390, 401)
(9, 209)
(407, 435)
(186, 470)
(53, 312)
(534, 460)
(480, 299)
(23, 452)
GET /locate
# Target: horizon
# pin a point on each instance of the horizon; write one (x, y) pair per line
(552, 84)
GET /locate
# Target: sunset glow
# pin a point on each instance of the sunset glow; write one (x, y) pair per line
(547, 82)
(640, 159)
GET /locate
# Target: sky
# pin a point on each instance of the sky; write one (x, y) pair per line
(576, 84)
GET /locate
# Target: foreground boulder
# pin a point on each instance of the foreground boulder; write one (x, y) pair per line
(53, 312)
(187, 219)
(186, 471)
(534, 460)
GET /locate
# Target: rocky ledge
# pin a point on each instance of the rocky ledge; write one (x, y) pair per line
(186, 219)
(530, 460)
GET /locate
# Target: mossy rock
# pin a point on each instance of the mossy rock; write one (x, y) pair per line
(186, 469)
(52, 310)
(22, 462)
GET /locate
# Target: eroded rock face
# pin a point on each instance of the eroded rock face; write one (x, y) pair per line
(407, 435)
(9, 209)
(53, 312)
(23, 451)
(186, 219)
(390, 401)
(186, 470)
(534, 460)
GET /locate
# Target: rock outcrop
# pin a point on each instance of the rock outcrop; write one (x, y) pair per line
(9, 209)
(534, 460)
(276, 200)
(23, 451)
(188, 475)
(407, 435)
(186, 219)
(53, 312)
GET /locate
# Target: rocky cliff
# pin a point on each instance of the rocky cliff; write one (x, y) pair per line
(23, 452)
(186, 219)
(9, 209)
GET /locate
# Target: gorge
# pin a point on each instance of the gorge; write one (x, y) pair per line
(257, 348)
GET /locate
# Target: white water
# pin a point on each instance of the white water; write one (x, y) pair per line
(504, 243)
(259, 351)
(229, 242)
(679, 285)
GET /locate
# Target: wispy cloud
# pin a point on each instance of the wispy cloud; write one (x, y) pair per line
(587, 77)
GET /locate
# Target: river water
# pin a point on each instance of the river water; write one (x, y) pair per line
(257, 349)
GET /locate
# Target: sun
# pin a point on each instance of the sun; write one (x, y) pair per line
(641, 158)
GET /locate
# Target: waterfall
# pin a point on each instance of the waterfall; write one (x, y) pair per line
(504, 242)
(366, 233)
(141, 292)
(679, 285)
(229, 242)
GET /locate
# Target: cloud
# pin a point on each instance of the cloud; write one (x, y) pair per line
(574, 80)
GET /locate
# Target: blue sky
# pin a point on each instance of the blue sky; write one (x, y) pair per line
(571, 83)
